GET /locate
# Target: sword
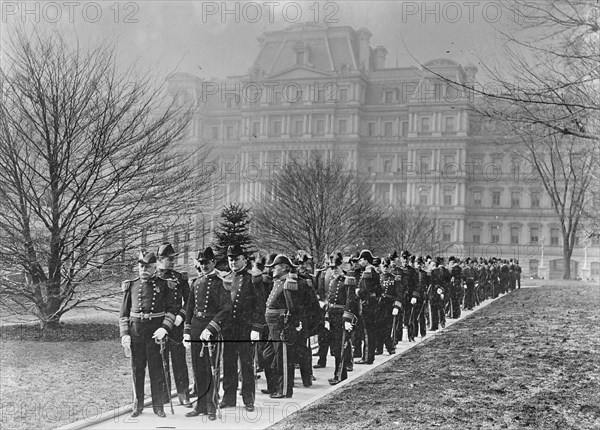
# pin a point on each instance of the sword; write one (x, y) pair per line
(343, 355)
(215, 375)
(166, 374)
(394, 331)
(285, 370)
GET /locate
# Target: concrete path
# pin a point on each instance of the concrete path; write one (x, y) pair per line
(267, 411)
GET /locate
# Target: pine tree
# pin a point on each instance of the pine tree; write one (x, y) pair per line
(233, 229)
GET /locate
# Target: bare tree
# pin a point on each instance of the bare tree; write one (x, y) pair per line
(412, 229)
(319, 206)
(89, 161)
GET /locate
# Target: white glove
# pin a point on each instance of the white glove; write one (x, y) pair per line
(440, 291)
(178, 320)
(327, 326)
(160, 333)
(126, 341)
(299, 326)
(186, 341)
(356, 291)
(395, 311)
(413, 301)
(254, 336)
(442, 296)
(205, 335)
(347, 326)
(255, 271)
(321, 304)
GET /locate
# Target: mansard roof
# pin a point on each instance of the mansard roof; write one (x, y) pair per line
(330, 49)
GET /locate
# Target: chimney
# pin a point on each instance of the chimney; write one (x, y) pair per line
(380, 54)
(364, 54)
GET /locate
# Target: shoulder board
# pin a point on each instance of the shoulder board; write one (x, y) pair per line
(125, 285)
(291, 284)
(367, 273)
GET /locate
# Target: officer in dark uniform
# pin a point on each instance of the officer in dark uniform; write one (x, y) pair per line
(358, 334)
(456, 287)
(244, 327)
(469, 277)
(166, 262)
(389, 306)
(436, 297)
(208, 308)
(323, 277)
(147, 315)
(283, 318)
(368, 292)
(421, 292)
(518, 274)
(267, 280)
(342, 308)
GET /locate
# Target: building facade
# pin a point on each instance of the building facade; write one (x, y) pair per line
(318, 88)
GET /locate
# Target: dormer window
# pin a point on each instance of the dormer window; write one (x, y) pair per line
(301, 53)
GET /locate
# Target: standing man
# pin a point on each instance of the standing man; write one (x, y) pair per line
(176, 349)
(208, 309)
(389, 306)
(342, 308)
(456, 287)
(147, 315)
(283, 318)
(368, 292)
(244, 327)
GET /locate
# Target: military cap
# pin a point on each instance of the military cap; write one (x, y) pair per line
(354, 257)
(270, 259)
(387, 262)
(366, 254)
(394, 255)
(452, 258)
(282, 259)
(147, 258)
(205, 255)
(439, 259)
(166, 250)
(405, 254)
(420, 259)
(376, 261)
(235, 250)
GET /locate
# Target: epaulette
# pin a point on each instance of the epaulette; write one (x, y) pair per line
(192, 280)
(350, 280)
(291, 283)
(368, 273)
(125, 285)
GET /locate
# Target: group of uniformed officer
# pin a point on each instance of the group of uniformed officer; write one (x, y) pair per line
(263, 314)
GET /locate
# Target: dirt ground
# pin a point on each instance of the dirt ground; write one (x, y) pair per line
(530, 360)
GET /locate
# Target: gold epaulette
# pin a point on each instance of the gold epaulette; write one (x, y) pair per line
(125, 285)
(291, 283)
(350, 280)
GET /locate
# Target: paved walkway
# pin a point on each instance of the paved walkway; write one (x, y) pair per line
(267, 411)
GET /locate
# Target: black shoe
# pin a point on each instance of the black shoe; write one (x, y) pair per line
(224, 405)
(378, 352)
(212, 416)
(318, 366)
(249, 407)
(265, 391)
(334, 381)
(195, 413)
(312, 378)
(307, 383)
(362, 362)
(160, 414)
(136, 413)
(280, 396)
(349, 368)
(392, 352)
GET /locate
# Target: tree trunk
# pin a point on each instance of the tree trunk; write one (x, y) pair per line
(51, 323)
(567, 262)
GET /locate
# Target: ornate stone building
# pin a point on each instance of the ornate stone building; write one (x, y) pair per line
(315, 87)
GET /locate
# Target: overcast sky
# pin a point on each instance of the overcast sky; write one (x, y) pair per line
(198, 37)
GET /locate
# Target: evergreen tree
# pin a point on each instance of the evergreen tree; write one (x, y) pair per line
(233, 229)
